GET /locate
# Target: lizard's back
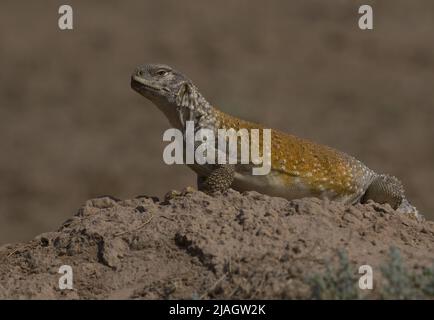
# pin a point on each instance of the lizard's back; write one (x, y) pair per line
(301, 168)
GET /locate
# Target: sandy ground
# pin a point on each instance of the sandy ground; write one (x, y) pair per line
(193, 246)
(71, 128)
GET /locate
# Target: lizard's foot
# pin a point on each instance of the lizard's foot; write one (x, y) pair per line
(171, 194)
(219, 180)
(175, 193)
(187, 190)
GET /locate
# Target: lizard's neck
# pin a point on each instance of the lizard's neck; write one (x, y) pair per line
(202, 113)
(190, 106)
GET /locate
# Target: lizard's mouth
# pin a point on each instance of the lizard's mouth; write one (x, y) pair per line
(142, 86)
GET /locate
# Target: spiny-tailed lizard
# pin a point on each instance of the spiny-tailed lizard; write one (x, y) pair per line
(299, 168)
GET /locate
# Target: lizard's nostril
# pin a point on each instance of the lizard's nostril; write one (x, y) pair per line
(139, 72)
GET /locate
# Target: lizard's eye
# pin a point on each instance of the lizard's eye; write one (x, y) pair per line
(161, 72)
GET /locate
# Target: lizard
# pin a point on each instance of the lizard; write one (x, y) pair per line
(299, 167)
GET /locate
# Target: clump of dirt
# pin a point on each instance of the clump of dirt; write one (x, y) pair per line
(191, 245)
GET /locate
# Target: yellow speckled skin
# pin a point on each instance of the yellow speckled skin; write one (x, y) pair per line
(304, 168)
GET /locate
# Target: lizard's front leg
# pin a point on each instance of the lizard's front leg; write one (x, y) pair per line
(219, 180)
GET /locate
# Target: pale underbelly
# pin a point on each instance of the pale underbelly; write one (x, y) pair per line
(274, 184)
(277, 184)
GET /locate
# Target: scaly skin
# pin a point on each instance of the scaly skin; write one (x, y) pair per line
(299, 168)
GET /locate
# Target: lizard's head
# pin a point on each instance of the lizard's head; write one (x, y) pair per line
(170, 90)
(159, 83)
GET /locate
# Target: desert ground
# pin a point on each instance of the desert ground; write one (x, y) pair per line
(190, 245)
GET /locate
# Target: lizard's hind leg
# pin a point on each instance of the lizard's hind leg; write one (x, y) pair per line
(385, 189)
(220, 179)
(388, 189)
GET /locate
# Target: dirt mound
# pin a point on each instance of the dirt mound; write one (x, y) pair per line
(232, 245)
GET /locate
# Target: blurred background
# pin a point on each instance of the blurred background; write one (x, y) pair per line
(72, 129)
